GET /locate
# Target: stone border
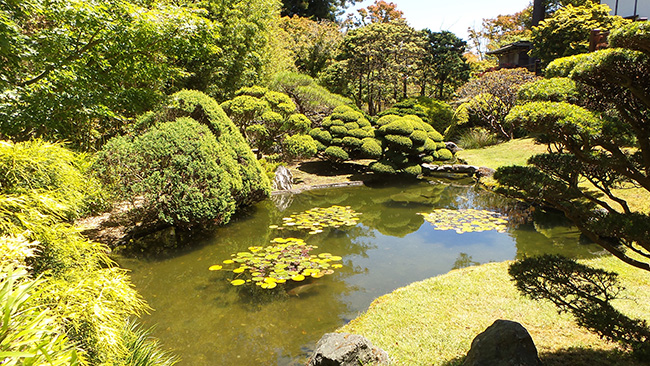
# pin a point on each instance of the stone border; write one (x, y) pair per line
(353, 183)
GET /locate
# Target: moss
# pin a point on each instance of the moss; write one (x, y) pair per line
(336, 153)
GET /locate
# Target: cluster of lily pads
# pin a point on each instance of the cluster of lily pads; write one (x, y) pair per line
(467, 220)
(319, 218)
(287, 259)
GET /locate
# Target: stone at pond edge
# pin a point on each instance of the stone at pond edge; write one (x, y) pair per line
(283, 180)
(344, 349)
(504, 343)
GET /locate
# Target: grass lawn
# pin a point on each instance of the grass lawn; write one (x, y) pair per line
(433, 322)
(517, 152)
(514, 152)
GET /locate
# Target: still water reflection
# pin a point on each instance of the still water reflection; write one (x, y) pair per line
(206, 321)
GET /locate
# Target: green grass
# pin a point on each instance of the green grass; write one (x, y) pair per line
(433, 322)
(514, 152)
(517, 152)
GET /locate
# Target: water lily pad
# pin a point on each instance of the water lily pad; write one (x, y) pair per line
(465, 221)
(237, 282)
(215, 267)
(318, 218)
(298, 278)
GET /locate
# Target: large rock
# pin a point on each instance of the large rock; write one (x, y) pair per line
(504, 343)
(283, 180)
(344, 349)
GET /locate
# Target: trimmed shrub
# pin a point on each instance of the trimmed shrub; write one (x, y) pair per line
(348, 127)
(336, 154)
(192, 170)
(371, 148)
(414, 170)
(383, 167)
(402, 126)
(399, 142)
(299, 147)
(444, 154)
(351, 142)
(419, 137)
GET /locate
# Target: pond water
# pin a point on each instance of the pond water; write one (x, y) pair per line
(207, 321)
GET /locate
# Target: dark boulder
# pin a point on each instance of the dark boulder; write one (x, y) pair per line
(504, 343)
(344, 349)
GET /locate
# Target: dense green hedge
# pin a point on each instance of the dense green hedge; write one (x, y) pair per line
(187, 161)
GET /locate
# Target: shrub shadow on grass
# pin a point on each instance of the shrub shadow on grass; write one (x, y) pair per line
(588, 357)
(576, 357)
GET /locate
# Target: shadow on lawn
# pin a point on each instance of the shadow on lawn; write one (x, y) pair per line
(576, 357)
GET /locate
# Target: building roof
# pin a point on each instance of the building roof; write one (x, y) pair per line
(515, 46)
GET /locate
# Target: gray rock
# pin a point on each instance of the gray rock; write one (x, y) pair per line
(283, 180)
(504, 343)
(484, 172)
(344, 349)
(452, 147)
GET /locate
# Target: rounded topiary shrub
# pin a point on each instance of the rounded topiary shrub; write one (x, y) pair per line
(188, 162)
(409, 142)
(345, 129)
(335, 153)
(299, 146)
(177, 169)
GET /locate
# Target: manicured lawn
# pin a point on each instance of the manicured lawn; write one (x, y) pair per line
(515, 152)
(433, 322)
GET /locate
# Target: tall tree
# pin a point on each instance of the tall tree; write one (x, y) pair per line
(378, 12)
(443, 64)
(499, 31)
(79, 70)
(380, 62)
(315, 9)
(595, 115)
(312, 43)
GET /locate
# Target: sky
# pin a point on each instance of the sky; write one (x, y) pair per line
(452, 15)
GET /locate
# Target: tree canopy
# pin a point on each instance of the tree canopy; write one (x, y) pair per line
(597, 143)
(567, 31)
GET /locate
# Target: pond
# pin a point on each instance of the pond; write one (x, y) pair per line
(206, 321)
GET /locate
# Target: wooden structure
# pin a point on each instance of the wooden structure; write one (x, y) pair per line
(515, 55)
